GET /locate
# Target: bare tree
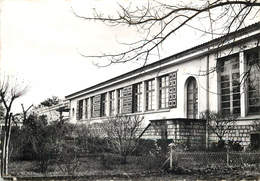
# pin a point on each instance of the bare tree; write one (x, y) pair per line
(121, 131)
(156, 22)
(218, 123)
(10, 90)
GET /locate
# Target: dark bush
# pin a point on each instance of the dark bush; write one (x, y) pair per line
(235, 145)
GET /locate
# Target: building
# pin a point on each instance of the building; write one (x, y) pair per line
(171, 92)
(59, 112)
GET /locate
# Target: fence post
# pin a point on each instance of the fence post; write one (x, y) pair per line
(171, 154)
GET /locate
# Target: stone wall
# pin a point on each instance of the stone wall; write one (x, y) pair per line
(240, 133)
(189, 131)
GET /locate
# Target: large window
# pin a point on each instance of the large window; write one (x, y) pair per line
(164, 91)
(79, 110)
(253, 82)
(112, 103)
(192, 98)
(229, 85)
(103, 104)
(138, 103)
(150, 95)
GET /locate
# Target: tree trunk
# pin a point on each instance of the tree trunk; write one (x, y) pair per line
(7, 145)
(5, 155)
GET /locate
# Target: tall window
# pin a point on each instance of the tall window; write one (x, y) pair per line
(112, 103)
(253, 83)
(138, 103)
(229, 85)
(80, 110)
(120, 101)
(103, 104)
(164, 91)
(150, 95)
(192, 98)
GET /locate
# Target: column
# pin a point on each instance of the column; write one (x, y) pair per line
(243, 102)
(144, 95)
(156, 93)
(116, 101)
(84, 109)
(108, 105)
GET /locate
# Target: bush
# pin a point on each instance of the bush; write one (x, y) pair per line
(235, 145)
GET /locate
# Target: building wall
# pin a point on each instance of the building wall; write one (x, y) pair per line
(199, 64)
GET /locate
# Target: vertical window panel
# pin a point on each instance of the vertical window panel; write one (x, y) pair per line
(112, 103)
(150, 95)
(253, 83)
(230, 85)
(138, 102)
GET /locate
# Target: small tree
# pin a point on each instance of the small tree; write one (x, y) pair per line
(41, 141)
(10, 90)
(121, 132)
(51, 101)
(218, 123)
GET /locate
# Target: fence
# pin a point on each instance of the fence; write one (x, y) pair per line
(214, 159)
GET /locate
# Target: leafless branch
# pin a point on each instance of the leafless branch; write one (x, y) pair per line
(159, 21)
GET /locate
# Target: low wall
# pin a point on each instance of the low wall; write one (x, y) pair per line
(190, 131)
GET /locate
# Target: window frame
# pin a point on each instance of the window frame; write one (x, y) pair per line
(252, 94)
(80, 110)
(103, 105)
(229, 84)
(137, 97)
(164, 97)
(112, 102)
(150, 95)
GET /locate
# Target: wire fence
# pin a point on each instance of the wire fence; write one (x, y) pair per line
(215, 159)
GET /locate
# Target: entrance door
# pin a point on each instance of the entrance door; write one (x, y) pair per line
(192, 99)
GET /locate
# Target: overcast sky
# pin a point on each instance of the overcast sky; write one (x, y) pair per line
(40, 40)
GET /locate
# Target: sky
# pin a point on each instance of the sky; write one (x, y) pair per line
(41, 41)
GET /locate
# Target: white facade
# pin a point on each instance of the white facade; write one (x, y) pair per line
(205, 93)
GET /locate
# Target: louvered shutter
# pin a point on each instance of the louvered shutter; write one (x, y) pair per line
(127, 99)
(173, 90)
(97, 103)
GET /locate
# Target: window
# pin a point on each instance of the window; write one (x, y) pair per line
(103, 105)
(192, 98)
(164, 91)
(138, 103)
(112, 103)
(253, 83)
(150, 95)
(79, 109)
(230, 85)
(120, 101)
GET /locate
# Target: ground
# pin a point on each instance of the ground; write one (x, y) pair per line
(119, 174)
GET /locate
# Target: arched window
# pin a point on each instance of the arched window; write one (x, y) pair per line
(192, 98)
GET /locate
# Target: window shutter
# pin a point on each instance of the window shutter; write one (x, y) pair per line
(77, 111)
(127, 99)
(173, 90)
(97, 104)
